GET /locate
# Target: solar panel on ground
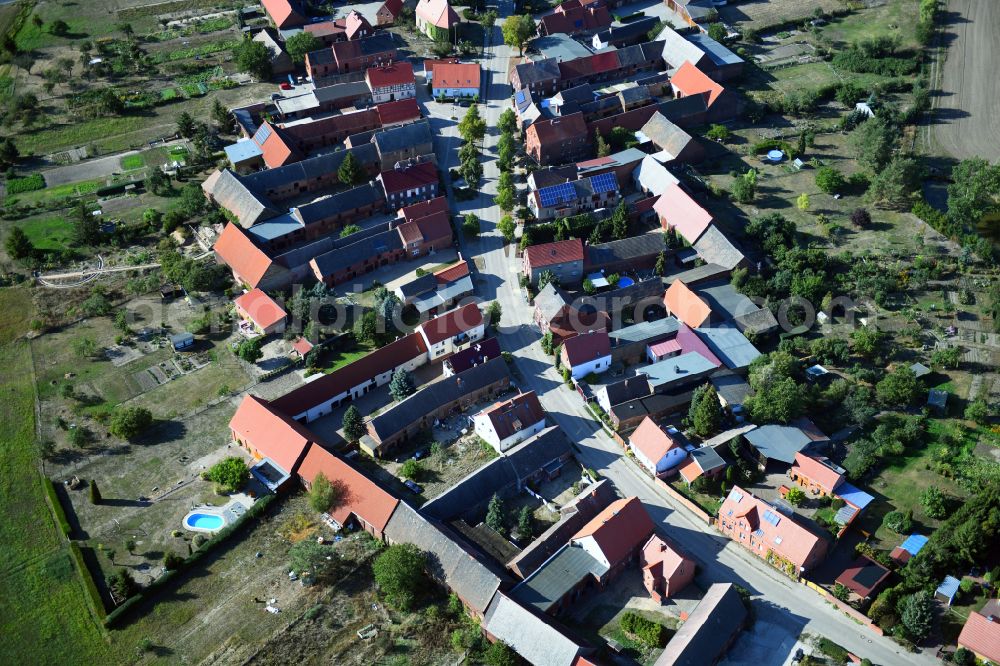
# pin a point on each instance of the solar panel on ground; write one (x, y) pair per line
(604, 182)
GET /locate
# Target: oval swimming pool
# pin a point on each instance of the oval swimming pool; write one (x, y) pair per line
(208, 522)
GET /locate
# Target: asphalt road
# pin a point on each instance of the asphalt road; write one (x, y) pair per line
(785, 608)
(967, 122)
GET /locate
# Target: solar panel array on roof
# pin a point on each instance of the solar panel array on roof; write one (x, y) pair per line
(772, 518)
(262, 134)
(604, 182)
(557, 194)
(519, 97)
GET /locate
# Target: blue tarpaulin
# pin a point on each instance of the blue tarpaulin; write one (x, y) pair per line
(853, 496)
(914, 543)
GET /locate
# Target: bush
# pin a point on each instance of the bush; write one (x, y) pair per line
(230, 473)
(832, 650)
(172, 561)
(898, 521)
(399, 572)
(27, 184)
(651, 633)
(56, 506)
(129, 422)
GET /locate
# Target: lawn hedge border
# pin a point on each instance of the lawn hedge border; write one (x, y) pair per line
(151, 590)
(56, 506)
(96, 603)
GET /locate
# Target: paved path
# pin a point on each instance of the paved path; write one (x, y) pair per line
(785, 607)
(88, 170)
(966, 112)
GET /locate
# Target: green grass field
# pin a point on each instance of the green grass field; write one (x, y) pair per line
(105, 132)
(48, 233)
(132, 162)
(43, 613)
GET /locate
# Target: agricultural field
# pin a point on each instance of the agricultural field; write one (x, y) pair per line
(760, 15)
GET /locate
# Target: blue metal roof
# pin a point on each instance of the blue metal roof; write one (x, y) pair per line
(244, 149)
(948, 587)
(914, 543)
(853, 496)
(718, 53)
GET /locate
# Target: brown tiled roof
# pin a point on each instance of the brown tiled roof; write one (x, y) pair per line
(451, 273)
(400, 111)
(361, 496)
(559, 252)
(513, 415)
(587, 347)
(817, 471)
(423, 208)
(554, 131)
(428, 228)
(408, 178)
(620, 527)
(396, 74)
(863, 577)
(451, 323)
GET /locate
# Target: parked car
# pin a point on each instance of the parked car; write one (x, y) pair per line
(412, 485)
(285, 85)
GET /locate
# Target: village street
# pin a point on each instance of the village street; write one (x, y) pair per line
(785, 609)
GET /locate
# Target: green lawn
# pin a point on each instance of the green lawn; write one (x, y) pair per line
(43, 613)
(107, 132)
(48, 233)
(131, 162)
(339, 359)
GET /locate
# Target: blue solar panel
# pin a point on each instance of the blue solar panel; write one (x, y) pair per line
(557, 194)
(262, 134)
(605, 182)
(519, 97)
(771, 518)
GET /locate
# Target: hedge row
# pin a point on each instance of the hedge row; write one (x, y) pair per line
(96, 602)
(56, 506)
(651, 633)
(27, 184)
(148, 592)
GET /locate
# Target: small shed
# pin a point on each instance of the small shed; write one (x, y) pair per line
(864, 577)
(920, 370)
(947, 590)
(182, 341)
(937, 399)
(902, 553)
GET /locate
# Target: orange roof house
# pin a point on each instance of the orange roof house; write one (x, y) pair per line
(615, 534)
(665, 572)
(689, 80)
(362, 500)
(423, 209)
(981, 633)
(261, 311)
(678, 211)
(656, 449)
(388, 76)
(435, 14)
(769, 534)
(285, 13)
(250, 265)
(686, 305)
(451, 273)
(817, 474)
(563, 258)
(267, 433)
(456, 76)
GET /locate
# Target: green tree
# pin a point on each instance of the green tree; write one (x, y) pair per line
(401, 384)
(506, 150)
(718, 133)
(947, 358)
(350, 171)
(230, 473)
(85, 347)
(157, 182)
(472, 171)
(504, 199)
(411, 469)
(399, 573)
(472, 127)
(517, 30)
(366, 327)
(309, 556)
(900, 522)
(705, 413)
(829, 179)
(619, 221)
(489, 19)
(9, 154)
(18, 244)
(507, 122)
(354, 427)
(547, 277)
(717, 31)
(777, 401)
(253, 58)
(894, 186)
(867, 340)
(59, 28)
(840, 591)
(978, 411)
(507, 228)
(933, 501)
(802, 202)
(743, 190)
(470, 225)
(250, 350)
(795, 496)
(121, 584)
(917, 615)
(186, 125)
(872, 143)
(95, 492)
(899, 388)
(525, 522)
(221, 116)
(86, 228)
(323, 494)
(500, 654)
(494, 513)
(299, 44)
(661, 264)
(973, 192)
(349, 229)
(129, 422)
(600, 145)
(493, 313)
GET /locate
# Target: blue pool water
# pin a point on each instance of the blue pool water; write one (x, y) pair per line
(625, 282)
(204, 521)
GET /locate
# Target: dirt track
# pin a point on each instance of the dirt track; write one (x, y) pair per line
(966, 113)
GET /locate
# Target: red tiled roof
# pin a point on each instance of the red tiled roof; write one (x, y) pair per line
(510, 416)
(342, 124)
(874, 574)
(456, 75)
(355, 23)
(451, 273)
(324, 28)
(236, 249)
(261, 308)
(423, 208)
(620, 527)
(277, 150)
(573, 18)
(392, 6)
(678, 210)
(587, 347)
(400, 111)
(429, 65)
(686, 305)
(451, 323)
(815, 470)
(559, 252)
(690, 470)
(361, 496)
(557, 130)
(437, 12)
(689, 80)
(257, 424)
(283, 13)
(657, 554)
(795, 542)
(652, 440)
(409, 178)
(380, 361)
(396, 74)
(981, 636)
(427, 229)
(603, 62)
(665, 347)
(302, 346)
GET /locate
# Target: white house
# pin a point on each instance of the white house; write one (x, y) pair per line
(508, 423)
(587, 353)
(656, 449)
(452, 331)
